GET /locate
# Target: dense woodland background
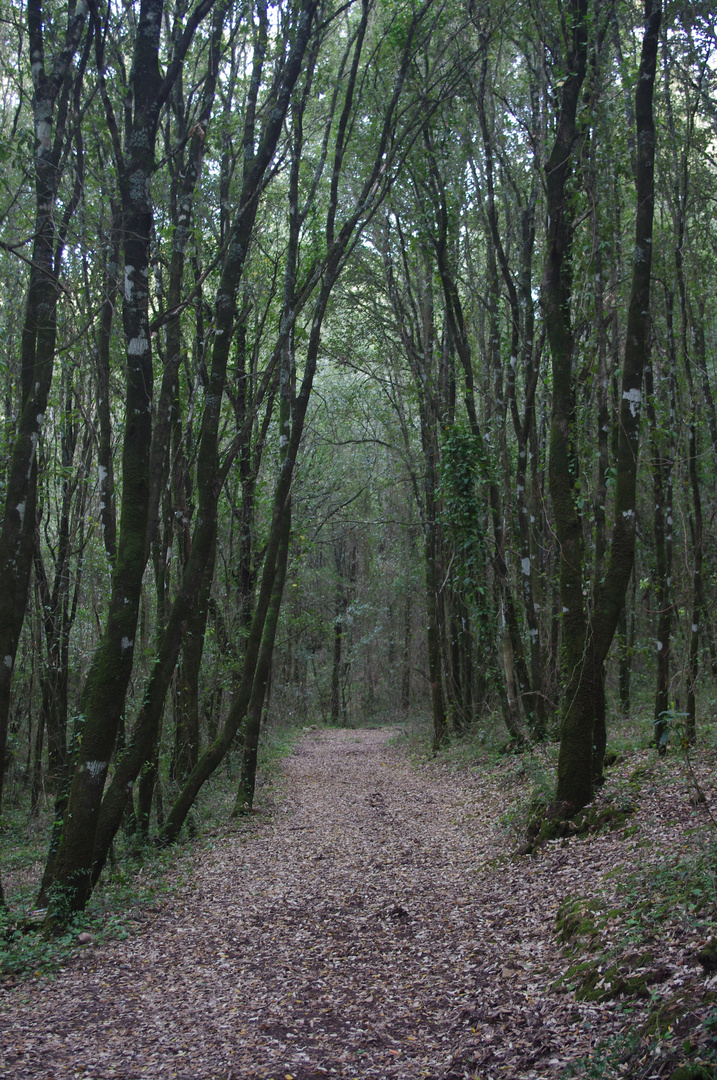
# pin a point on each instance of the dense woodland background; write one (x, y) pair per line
(325, 363)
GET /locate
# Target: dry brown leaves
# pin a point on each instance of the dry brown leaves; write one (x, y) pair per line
(373, 924)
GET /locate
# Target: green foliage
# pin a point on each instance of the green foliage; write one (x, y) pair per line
(670, 728)
(462, 497)
(25, 950)
(462, 475)
(606, 1062)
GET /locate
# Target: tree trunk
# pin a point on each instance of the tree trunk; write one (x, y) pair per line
(247, 778)
(340, 605)
(575, 780)
(406, 651)
(51, 82)
(662, 527)
(585, 645)
(693, 662)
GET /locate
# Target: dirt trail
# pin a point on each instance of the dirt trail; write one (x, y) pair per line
(372, 925)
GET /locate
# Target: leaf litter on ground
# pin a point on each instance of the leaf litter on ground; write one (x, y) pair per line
(374, 923)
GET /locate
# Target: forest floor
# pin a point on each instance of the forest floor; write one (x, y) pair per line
(372, 920)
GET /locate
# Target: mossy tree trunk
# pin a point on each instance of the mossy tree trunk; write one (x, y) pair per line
(292, 411)
(252, 726)
(56, 90)
(586, 643)
(67, 880)
(575, 786)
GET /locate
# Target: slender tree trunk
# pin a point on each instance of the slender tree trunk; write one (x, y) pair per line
(662, 514)
(51, 83)
(698, 337)
(406, 651)
(247, 778)
(339, 612)
(110, 290)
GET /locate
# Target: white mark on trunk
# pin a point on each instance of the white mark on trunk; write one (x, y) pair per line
(138, 186)
(659, 646)
(128, 271)
(43, 131)
(566, 610)
(95, 769)
(102, 475)
(8, 662)
(127, 643)
(138, 346)
(526, 566)
(633, 397)
(33, 440)
(695, 627)
(21, 513)
(628, 514)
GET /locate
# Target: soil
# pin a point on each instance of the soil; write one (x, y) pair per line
(371, 923)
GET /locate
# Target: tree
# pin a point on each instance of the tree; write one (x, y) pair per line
(57, 90)
(587, 638)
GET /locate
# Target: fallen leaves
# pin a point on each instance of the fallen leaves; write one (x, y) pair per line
(375, 925)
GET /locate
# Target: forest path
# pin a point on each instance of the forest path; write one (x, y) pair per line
(372, 924)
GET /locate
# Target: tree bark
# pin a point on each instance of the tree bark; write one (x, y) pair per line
(585, 645)
(52, 84)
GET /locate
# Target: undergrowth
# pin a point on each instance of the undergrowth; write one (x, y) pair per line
(614, 939)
